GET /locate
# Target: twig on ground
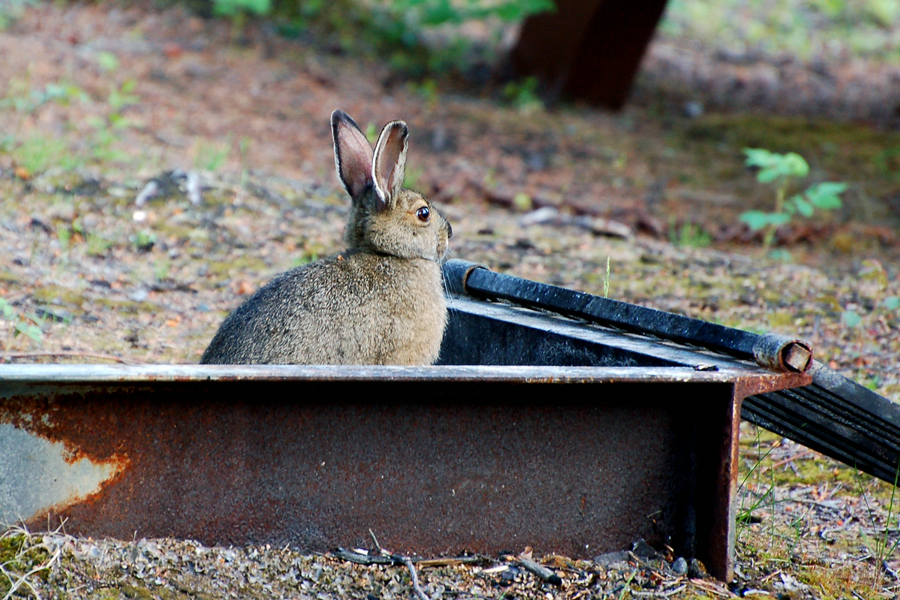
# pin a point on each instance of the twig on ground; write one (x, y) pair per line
(415, 578)
(711, 588)
(428, 563)
(362, 559)
(375, 539)
(67, 353)
(655, 594)
(541, 571)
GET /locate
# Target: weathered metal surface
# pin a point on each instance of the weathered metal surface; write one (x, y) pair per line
(537, 430)
(828, 412)
(836, 417)
(768, 350)
(436, 459)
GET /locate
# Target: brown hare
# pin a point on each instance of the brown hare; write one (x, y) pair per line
(380, 301)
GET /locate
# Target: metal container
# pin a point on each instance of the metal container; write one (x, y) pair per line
(535, 430)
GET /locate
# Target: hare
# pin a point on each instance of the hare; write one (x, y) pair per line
(380, 301)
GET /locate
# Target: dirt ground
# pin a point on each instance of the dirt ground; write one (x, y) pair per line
(98, 101)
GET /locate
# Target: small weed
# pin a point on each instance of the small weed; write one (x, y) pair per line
(523, 202)
(782, 170)
(689, 235)
(523, 95)
(29, 326)
(873, 281)
(64, 235)
(371, 132)
(606, 280)
(238, 11)
(209, 156)
(37, 154)
(12, 10)
(161, 269)
(880, 545)
(26, 100)
(305, 259)
(427, 90)
(417, 38)
(23, 557)
(745, 514)
(107, 61)
(413, 179)
(98, 245)
(143, 240)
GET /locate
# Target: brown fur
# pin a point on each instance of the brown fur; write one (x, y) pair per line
(380, 302)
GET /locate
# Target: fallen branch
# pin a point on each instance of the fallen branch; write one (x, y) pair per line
(415, 578)
(541, 571)
(68, 353)
(427, 563)
(671, 592)
(362, 559)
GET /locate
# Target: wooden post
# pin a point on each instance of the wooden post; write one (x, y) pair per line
(587, 50)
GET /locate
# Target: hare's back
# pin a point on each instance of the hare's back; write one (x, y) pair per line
(347, 309)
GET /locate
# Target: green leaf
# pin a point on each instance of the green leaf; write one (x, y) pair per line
(6, 307)
(759, 220)
(826, 196)
(892, 303)
(755, 219)
(108, 61)
(32, 331)
(758, 157)
(803, 207)
(794, 165)
(851, 318)
(774, 166)
(767, 175)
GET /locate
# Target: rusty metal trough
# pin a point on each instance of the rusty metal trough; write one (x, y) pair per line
(535, 429)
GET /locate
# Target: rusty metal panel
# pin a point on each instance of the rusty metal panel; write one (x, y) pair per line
(576, 460)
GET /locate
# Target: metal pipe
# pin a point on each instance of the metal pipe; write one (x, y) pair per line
(780, 353)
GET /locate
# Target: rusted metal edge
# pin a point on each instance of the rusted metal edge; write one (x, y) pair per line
(837, 417)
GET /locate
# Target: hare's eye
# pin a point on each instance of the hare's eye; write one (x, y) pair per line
(424, 214)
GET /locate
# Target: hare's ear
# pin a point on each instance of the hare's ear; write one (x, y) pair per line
(352, 154)
(389, 165)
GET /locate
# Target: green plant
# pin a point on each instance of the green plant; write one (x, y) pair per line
(881, 546)
(161, 269)
(23, 556)
(23, 99)
(523, 95)
(690, 235)
(782, 170)
(12, 10)
(97, 245)
(872, 284)
(745, 514)
(209, 156)
(64, 234)
(107, 127)
(143, 240)
(29, 326)
(239, 10)
(416, 37)
(606, 280)
(37, 154)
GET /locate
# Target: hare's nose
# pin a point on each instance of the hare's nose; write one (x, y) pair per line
(449, 231)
